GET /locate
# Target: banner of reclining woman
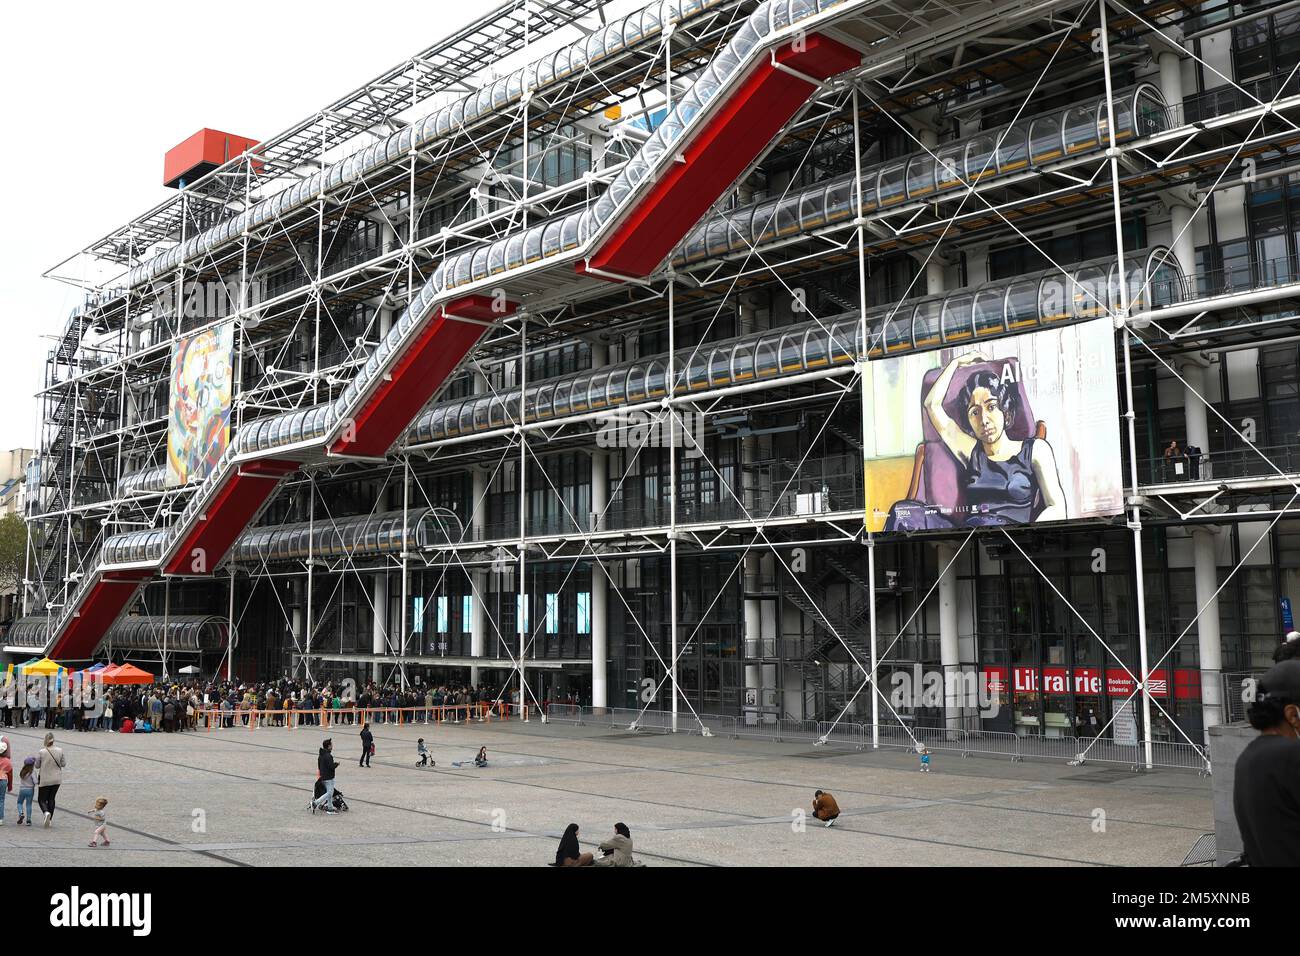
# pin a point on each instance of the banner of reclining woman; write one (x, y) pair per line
(1009, 431)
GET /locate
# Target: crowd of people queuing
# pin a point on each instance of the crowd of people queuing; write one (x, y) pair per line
(171, 707)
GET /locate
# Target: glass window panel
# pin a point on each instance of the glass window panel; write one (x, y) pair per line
(1045, 139)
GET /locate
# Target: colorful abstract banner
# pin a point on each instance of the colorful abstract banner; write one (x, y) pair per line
(198, 411)
(1010, 431)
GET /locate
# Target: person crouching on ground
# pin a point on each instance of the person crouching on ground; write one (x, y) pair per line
(99, 813)
(326, 764)
(569, 853)
(617, 849)
(825, 808)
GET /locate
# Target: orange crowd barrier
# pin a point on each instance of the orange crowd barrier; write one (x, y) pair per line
(254, 718)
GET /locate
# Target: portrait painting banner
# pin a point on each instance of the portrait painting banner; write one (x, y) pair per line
(198, 408)
(1010, 431)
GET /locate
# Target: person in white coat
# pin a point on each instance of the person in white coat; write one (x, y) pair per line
(49, 776)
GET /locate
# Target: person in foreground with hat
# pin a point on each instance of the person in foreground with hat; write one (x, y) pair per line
(1266, 790)
(1290, 649)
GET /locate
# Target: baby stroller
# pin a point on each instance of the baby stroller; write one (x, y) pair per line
(339, 803)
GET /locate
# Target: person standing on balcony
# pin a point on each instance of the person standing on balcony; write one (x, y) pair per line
(1173, 459)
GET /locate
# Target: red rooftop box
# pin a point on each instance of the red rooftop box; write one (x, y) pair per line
(200, 154)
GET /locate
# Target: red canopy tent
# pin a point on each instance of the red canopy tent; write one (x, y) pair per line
(125, 674)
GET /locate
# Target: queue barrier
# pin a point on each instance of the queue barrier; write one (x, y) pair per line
(845, 735)
(254, 718)
(849, 735)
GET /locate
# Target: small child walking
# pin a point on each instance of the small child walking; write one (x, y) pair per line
(26, 790)
(925, 759)
(99, 814)
(422, 752)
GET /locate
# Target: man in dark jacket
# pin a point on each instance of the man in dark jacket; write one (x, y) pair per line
(326, 764)
(1266, 785)
(367, 745)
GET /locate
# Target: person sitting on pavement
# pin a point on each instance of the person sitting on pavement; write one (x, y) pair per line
(617, 850)
(569, 853)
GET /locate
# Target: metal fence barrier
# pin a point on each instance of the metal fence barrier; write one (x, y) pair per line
(847, 735)
(841, 735)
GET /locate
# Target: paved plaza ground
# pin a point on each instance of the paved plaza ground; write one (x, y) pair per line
(239, 797)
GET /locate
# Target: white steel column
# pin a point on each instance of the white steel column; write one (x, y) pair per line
(949, 643)
(1122, 323)
(935, 280)
(311, 566)
(1182, 236)
(403, 620)
(478, 622)
(671, 381)
(230, 626)
(379, 629)
(297, 616)
(945, 556)
(521, 592)
(599, 583)
(752, 567)
(1192, 369)
(1171, 76)
(753, 624)
(864, 347)
(1207, 626)
(599, 586)
(1204, 553)
(478, 600)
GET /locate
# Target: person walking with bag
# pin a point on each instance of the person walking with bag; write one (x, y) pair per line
(49, 776)
(367, 745)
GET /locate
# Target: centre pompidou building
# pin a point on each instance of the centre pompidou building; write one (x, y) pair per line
(705, 359)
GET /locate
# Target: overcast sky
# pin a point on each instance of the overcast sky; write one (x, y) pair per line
(98, 92)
